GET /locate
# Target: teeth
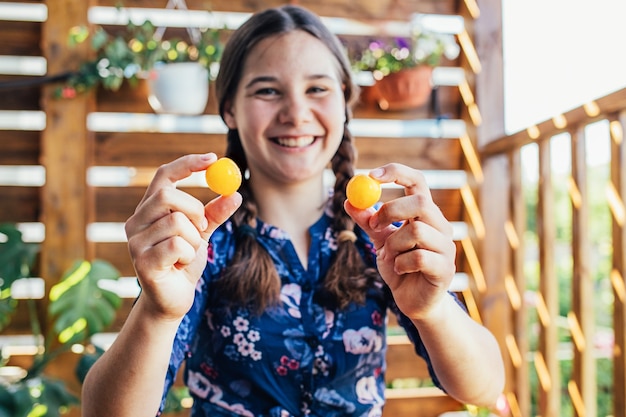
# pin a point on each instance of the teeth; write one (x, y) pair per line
(296, 142)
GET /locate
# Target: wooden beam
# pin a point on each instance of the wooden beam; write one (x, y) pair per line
(66, 148)
(581, 318)
(603, 106)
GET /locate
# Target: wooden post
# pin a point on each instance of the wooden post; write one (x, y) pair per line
(582, 387)
(493, 193)
(546, 360)
(618, 274)
(66, 147)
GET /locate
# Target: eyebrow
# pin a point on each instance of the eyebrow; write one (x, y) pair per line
(268, 78)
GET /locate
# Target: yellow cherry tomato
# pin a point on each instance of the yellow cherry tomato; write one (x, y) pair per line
(363, 191)
(223, 176)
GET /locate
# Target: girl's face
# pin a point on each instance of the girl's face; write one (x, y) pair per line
(289, 108)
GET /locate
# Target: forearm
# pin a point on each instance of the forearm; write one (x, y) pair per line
(465, 355)
(128, 379)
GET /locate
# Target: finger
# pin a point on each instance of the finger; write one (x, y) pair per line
(411, 179)
(435, 267)
(172, 252)
(362, 219)
(161, 204)
(218, 210)
(417, 234)
(169, 174)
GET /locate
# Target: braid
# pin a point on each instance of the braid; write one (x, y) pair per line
(251, 277)
(348, 278)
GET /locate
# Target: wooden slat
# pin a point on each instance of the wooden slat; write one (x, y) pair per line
(519, 372)
(20, 38)
(152, 149)
(18, 147)
(430, 403)
(419, 153)
(363, 10)
(582, 314)
(618, 179)
(117, 254)
(19, 204)
(15, 96)
(548, 306)
(116, 204)
(403, 362)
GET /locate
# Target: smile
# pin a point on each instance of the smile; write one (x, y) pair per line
(295, 142)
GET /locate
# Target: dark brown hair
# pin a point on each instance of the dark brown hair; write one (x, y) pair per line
(251, 278)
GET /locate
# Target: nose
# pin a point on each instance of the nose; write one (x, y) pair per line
(295, 110)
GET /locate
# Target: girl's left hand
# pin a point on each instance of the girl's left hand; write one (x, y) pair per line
(417, 259)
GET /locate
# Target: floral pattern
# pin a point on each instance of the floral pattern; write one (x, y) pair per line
(296, 359)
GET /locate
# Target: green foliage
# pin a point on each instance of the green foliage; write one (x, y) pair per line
(77, 309)
(78, 306)
(130, 53)
(16, 260)
(40, 396)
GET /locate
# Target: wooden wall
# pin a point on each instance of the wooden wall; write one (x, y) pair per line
(61, 139)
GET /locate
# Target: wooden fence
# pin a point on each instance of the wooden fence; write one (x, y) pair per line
(72, 171)
(579, 391)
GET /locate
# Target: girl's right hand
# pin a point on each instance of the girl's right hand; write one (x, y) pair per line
(168, 237)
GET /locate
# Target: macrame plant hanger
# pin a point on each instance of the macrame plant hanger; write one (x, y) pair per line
(194, 33)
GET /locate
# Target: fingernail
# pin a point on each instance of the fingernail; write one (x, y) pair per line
(377, 173)
(374, 222)
(207, 156)
(204, 224)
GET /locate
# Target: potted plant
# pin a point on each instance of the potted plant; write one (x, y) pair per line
(402, 67)
(138, 51)
(77, 308)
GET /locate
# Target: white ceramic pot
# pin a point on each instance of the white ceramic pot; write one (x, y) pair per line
(179, 88)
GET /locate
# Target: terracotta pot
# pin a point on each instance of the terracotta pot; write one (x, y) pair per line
(179, 88)
(406, 89)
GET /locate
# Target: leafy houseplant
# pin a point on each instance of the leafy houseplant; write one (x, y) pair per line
(134, 52)
(402, 67)
(77, 309)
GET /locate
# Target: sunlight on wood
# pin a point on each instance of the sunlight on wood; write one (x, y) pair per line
(472, 8)
(615, 204)
(617, 280)
(474, 263)
(542, 310)
(577, 400)
(576, 331)
(514, 353)
(474, 113)
(470, 52)
(471, 157)
(591, 109)
(574, 193)
(617, 133)
(560, 122)
(472, 307)
(542, 372)
(513, 404)
(511, 234)
(512, 292)
(533, 132)
(472, 209)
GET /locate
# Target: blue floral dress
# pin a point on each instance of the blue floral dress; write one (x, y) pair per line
(296, 359)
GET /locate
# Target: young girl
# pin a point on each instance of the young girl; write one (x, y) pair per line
(276, 297)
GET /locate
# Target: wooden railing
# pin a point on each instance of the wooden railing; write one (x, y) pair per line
(560, 393)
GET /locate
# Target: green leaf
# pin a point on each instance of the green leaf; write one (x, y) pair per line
(78, 306)
(16, 256)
